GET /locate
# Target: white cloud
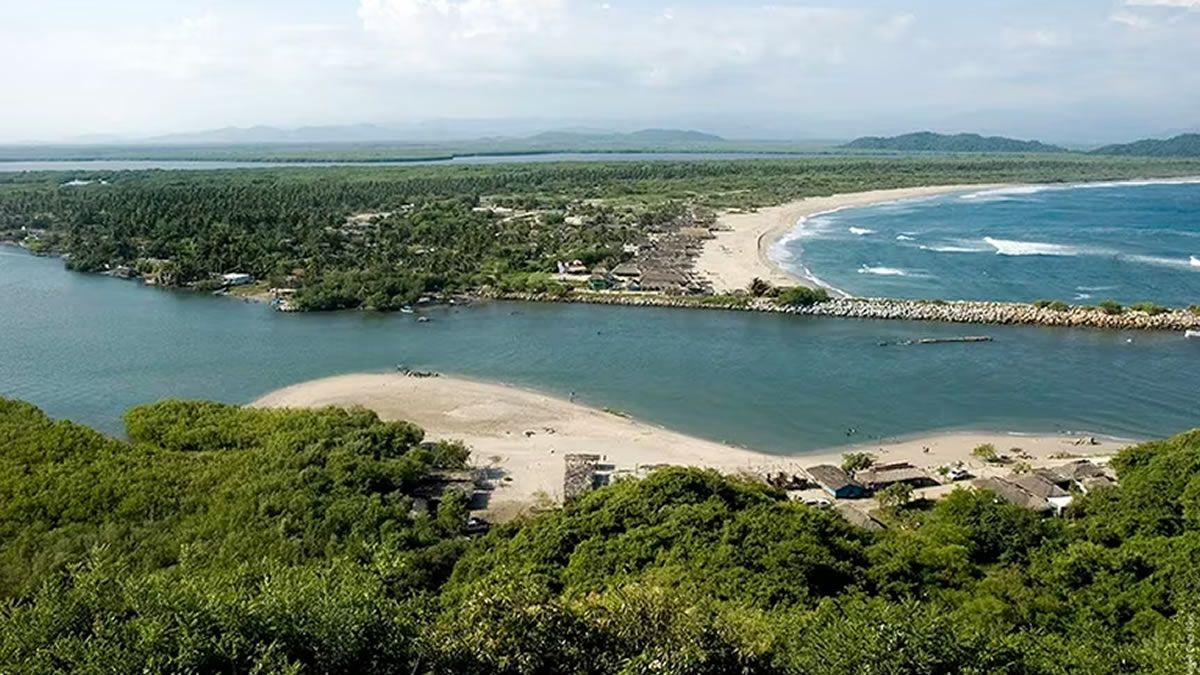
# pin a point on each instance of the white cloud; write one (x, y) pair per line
(1035, 37)
(1164, 3)
(393, 60)
(665, 46)
(1131, 20)
(896, 27)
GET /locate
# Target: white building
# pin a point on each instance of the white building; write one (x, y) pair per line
(236, 279)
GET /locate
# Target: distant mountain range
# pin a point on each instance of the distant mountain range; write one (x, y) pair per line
(928, 141)
(1183, 145)
(370, 133)
(642, 137)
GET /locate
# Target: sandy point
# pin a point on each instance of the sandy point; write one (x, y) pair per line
(741, 248)
(524, 434)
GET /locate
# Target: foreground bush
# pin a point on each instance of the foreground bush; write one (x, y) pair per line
(245, 541)
(802, 296)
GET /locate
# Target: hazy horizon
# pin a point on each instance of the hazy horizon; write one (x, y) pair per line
(1076, 72)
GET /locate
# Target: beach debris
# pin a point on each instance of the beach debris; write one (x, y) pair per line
(408, 372)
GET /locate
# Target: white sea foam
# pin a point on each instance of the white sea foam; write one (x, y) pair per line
(861, 231)
(903, 237)
(882, 271)
(1016, 191)
(808, 227)
(1083, 296)
(951, 248)
(1191, 263)
(1019, 248)
(1093, 289)
(999, 194)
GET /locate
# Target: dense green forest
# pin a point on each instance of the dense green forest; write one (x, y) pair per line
(422, 230)
(927, 141)
(222, 539)
(1183, 145)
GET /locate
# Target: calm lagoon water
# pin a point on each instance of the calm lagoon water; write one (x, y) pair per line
(87, 347)
(1130, 242)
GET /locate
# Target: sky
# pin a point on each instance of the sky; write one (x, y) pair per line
(1059, 70)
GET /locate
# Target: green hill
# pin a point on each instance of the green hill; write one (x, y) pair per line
(1183, 145)
(233, 540)
(928, 141)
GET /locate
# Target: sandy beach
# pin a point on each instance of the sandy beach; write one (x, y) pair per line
(525, 434)
(740, 250)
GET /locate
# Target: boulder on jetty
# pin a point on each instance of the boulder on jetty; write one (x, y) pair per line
(957, 311)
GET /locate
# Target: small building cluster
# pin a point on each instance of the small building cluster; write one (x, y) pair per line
(1048, 490)
(841, 485)
(1043, 490)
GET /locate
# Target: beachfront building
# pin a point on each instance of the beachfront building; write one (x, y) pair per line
(665, 281)
(858, 516)
(1032, 491)
(836, 482)
(627, 271)
(433, 488)
(579, 474)
(236, 279)
(881, 476)
(1081, 475)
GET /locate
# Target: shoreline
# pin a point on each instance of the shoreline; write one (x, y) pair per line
(742, 246)
(523, 435)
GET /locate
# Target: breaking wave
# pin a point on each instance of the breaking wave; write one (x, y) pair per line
(1018, 248)
(1160, 261)
(889, 271)
(861, 231)
(1000, 194)
(1016, 191)
(950, 248)
(904, 237)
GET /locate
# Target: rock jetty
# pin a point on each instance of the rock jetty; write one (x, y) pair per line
(960, 311)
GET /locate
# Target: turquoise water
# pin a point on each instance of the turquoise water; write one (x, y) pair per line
(87, 347)
(1130, 242)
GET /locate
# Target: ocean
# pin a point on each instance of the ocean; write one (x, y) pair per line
(1131, 241)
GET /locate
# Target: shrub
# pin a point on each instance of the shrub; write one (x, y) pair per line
(986, 452)
(894, 496)
(1111, 307)
(759, 287)
(1150, 308)
(857, 461)
(1056, 305)
(803, 296)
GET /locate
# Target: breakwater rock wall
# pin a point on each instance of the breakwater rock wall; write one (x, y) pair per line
(962, 311)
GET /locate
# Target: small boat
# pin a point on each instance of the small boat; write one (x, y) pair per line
(1195, 334)
(406, 310)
